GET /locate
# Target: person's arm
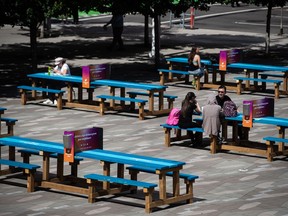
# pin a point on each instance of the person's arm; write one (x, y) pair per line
(108, 23)
(199, 61)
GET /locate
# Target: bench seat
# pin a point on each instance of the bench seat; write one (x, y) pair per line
(170, 98)
(29, 169)
(58, 93)
(263, 81)
(180, 72)
(148, 188)
(26, 153)
(188, 178)
(141, 103)
(271, 141)
(10, 122)
(169, 139)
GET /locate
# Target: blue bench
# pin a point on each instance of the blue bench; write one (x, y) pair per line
(141, 103)
(29, 169)
(256, 80)
(58, 93)
(180, 72)
(148, 188)
(170, 98)
(271, 141)
(10, 122)
(26, 153)
(178, 137)
(188, 178)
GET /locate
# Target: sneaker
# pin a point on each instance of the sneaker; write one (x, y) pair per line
(55, 102)
(48, 101)
(221, 140)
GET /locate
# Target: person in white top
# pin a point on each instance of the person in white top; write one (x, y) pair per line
(63, 69)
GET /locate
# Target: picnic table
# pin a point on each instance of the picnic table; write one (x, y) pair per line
(178, 66)
(162, 167)
(246, 145)
(152, 90)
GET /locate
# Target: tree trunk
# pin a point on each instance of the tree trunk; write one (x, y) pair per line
(33, 44)
(157, 40)
(146, 31)
(268, 21)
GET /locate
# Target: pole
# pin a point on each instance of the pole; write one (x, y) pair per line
(192, 17)
(281, 22)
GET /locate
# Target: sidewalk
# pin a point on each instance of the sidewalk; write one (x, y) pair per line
(229, 184)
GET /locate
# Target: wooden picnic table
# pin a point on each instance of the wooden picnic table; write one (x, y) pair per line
(281, 124)
(175, 62)
(162, 166)
(255, 69)
(112, 84)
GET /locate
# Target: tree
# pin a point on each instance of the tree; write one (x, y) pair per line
(30, 13)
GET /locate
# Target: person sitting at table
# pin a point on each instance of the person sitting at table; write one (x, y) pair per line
(221, 98)
(211, 114)
(194, 62)
(189, 105)
(61, 68)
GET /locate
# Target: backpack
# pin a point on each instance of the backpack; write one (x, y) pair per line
(229, 109)
(173, 117)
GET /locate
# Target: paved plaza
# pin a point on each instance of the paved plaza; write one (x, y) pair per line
(229, 183)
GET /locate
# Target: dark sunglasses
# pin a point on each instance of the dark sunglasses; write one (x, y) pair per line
(221, 92)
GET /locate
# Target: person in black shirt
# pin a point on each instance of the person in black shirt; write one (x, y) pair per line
(189, 105)
(222, 97)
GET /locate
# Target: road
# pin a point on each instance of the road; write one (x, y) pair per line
(246, 18)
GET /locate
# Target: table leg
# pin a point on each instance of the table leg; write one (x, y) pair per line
(151, 101)
(69, 96)
(176, 183)
(46, 164)
(11, 157)
(120, 170)
(247, 82)
(106, 171)
(161, 100)
(162, 186)
(122, 94)
(112, 93)
(60, 166)
(162, 78)
(281, 134)
(33, 91)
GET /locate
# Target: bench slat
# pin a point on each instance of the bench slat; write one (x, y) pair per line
(36, 152)
(156, 95)
(150, 170)
(31, 88)
(9, 120)
(258, 80)
(174, 71)
(177, 127)
(136, 100)
(19, 164)
(276, 139)
(120, 180)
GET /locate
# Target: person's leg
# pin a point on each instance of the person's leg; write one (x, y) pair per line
(118, 36)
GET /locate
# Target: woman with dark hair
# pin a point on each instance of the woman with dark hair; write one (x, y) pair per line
(194, 62)
(189, 105)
